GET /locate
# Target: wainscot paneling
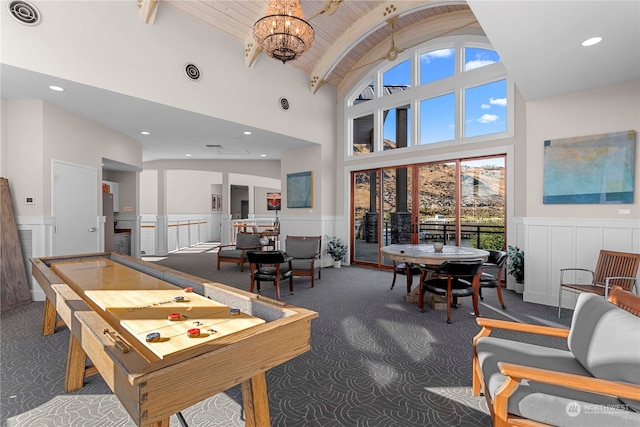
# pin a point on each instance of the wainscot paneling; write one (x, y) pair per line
(550, 244)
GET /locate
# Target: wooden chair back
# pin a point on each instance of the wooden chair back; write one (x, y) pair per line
(616, 264)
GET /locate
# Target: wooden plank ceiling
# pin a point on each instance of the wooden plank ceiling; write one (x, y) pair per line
(347, 42)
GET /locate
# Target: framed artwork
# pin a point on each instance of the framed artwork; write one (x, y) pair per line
(592, 169)
(273, 201)
(216, 202)
(300, 190)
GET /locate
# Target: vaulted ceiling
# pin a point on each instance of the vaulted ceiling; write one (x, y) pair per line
(350, 35)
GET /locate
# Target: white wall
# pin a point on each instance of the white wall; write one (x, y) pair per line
(559, 236)
(119, 52)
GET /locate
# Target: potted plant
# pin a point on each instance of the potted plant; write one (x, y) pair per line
(515, 264)
(337, 249)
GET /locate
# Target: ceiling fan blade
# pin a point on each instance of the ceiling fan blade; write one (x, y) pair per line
(393, 52)
(329, 8)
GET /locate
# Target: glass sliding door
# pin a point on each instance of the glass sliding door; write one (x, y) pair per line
(365, 215)
(459, 202)
(438, 195)
(397, 213)
(483, 203)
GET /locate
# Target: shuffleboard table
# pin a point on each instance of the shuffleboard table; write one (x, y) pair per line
(164, 340)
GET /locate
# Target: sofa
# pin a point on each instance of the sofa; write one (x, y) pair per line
(594, 382)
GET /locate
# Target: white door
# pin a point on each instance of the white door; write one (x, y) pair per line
(75, 209)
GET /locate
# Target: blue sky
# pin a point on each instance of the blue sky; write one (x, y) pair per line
(484, 111)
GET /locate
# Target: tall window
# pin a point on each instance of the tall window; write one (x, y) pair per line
(458, 91)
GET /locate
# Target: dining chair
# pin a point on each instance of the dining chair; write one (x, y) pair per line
(270, 266)
(406, 269)
(453, 279)
(612, 269)
(497, 260)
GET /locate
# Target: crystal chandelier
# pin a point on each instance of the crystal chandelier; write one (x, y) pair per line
(283, 33)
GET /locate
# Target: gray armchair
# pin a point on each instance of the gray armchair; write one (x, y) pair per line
(305, 254)
(236, 252)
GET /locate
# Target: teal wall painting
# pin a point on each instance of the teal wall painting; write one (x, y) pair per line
(592, 169)
(300, 190)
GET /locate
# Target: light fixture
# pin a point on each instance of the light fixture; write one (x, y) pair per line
(246, 132)
(283, 33)
(56, 88)
(144, 132)
(591, 41)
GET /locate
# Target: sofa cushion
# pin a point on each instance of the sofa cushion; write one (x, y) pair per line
(550, 404)
(605, 339)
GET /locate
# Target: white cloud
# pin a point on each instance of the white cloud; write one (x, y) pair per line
(488, 118)
(498, 101)
(477, 63)
(436, 54)
(485, 106)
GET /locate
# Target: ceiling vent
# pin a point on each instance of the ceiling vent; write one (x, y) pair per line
(192, 71)
(214, 145)
(24, 12)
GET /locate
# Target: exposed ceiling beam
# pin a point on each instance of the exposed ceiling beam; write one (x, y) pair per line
(148, 10)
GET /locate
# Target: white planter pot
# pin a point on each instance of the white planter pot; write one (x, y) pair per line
(336, 264)
(519, 288)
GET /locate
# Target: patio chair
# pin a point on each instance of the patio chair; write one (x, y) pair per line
(305, 252)
(236, 252)
(612, 269)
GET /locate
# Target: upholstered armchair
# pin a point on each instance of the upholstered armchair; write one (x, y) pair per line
(236, 252)
(305, 254)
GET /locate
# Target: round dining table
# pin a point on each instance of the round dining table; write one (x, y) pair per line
(426, 254)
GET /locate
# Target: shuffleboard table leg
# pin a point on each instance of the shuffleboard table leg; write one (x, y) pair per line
(76, 359)
(256, 401)
(49, 318)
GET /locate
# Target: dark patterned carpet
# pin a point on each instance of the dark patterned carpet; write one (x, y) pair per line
(375, 360)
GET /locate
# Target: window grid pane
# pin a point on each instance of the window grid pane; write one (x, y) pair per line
(437, 65)
(397, 127)
(437, 119)
(485, 109)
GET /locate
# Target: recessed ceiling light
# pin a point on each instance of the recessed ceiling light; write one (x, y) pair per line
(144, 132)
(56, 88)
(263, 155)
(246, 132)
(591, 41)
(187, 155)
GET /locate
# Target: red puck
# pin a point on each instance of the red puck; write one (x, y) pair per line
(195, 332)
(174, 316)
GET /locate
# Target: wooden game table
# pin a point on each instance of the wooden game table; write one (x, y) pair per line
(112, 303)
(426, 254)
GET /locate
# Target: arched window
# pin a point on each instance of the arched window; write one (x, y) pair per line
(448, 91)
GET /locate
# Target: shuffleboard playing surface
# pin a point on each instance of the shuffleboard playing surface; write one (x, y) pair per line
(143, 304)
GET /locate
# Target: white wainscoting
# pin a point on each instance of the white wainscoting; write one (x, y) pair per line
(550, 244)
